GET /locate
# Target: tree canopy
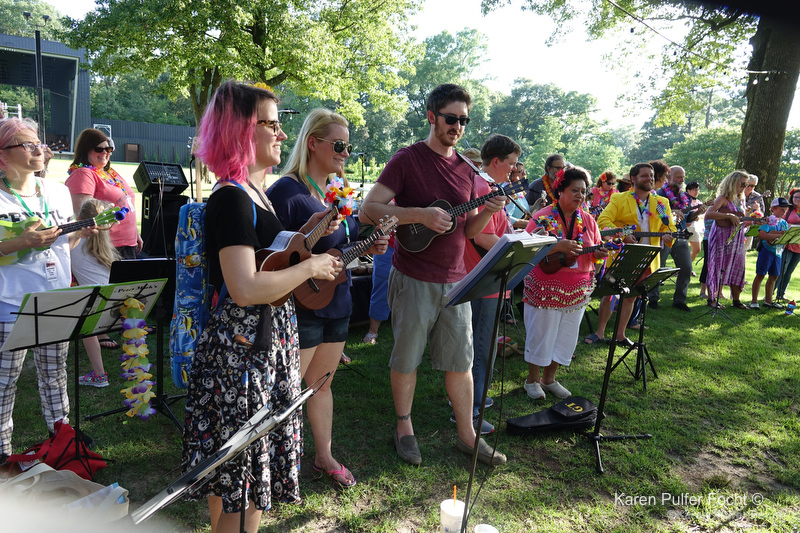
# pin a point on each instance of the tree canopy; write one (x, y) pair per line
(337, 50)
(709, 57)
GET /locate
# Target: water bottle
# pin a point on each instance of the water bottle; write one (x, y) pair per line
(790, 308)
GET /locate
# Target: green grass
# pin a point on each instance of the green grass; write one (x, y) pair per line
(723, 413)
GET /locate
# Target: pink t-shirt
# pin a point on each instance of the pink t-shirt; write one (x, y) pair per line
(497, 225)
(418, 176)
(793, 218)
(86, 181)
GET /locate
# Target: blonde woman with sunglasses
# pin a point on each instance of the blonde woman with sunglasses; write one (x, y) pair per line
(318, 157)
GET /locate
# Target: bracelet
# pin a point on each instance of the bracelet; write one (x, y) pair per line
(2, 254)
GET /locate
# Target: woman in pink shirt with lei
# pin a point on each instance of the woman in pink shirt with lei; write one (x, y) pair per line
(555, 301)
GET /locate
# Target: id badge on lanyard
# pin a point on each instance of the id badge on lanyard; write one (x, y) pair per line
(50, 267)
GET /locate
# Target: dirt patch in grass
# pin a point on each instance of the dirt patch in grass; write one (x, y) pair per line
(717, 471)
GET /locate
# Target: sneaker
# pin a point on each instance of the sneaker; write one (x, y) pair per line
(534, 390)
(93, 380)
(557, 390)
(754, 305)
(486, 427)
(774, 305)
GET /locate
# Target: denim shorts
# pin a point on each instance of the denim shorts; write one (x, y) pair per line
(768, 263)
(314, 330)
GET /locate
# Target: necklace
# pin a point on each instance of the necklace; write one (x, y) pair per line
(18, 193)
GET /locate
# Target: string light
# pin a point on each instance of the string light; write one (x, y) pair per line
(682, 47)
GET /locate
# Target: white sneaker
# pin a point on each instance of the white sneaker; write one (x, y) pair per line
(557, 390)
(534, 390)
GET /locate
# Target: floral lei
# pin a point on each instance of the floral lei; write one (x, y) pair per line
(551, 224)
(644, 205)
(546, 182)
(111, 176)
(345, 195)
(135, 364)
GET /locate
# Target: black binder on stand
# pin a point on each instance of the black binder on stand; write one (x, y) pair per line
(620, 278)
(511, 258)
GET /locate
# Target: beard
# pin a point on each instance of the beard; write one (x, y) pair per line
(444, 134)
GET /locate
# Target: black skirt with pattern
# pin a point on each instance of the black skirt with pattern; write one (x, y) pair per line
(229, 383)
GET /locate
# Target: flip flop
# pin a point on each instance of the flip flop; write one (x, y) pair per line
(593, 339)
(344, 359)
(109, 343)
(370, 338)
(343, 472)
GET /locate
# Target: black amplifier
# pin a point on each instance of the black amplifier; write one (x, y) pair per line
(160, 177)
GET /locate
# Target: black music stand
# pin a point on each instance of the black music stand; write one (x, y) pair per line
(133, 270)
(70, 315)
(644, 286)
(624, 273)
(512, 257)
(254, 428)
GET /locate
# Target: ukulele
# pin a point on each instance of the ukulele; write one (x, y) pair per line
(742, 218)
(416, 237)
(12, 230)
(680, 234)
(554, 262)
(317, 293)
(290, 248)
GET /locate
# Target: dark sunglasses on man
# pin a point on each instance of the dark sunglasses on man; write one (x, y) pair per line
(101, 149)
(452, 119)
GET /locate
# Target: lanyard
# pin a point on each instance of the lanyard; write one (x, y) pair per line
(564, 220)
(25, 206)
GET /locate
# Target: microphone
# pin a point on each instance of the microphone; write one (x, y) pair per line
(289, 111)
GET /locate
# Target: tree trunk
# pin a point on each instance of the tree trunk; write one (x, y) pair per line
(770, 91)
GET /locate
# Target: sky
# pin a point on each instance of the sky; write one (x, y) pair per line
(517, 48)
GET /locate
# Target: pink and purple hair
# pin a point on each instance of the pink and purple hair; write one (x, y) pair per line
(9, 127)
(225, 135)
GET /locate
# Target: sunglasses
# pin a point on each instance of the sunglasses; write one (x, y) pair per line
(274, 125)
(610, 182)
(452, 119)
(101, 149)
(339, 146)
(28, 147)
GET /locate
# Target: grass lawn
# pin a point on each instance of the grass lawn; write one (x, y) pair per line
(723, 412)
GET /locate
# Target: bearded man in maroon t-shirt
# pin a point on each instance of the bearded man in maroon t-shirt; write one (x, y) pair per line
(414, 178)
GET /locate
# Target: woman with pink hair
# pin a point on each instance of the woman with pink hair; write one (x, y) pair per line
(247, 356)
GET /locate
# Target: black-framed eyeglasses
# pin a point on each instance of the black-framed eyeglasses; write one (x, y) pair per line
(452, 119)
(274, 125)
(101, 149)
(28, 147)
(339, 146)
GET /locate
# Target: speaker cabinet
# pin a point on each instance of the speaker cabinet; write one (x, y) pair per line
(160, 223)
(168, 178)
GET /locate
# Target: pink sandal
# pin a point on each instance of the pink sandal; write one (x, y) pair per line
(343, 473)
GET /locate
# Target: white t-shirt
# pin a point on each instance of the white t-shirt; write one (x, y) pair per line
(36, 271)
(86, 268)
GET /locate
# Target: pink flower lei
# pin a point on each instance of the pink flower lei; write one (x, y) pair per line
(345, 195)
(551, 225)
(134, 360)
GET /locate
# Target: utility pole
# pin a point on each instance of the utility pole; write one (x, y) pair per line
(39, 71)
